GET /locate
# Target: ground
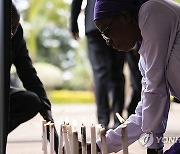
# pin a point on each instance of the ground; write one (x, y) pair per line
(26, 139)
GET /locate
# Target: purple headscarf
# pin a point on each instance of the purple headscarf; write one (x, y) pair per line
(108, 8)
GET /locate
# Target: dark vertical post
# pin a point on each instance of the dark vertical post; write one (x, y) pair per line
(5, 45)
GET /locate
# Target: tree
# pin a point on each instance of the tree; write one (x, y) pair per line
(40, 15)
(48, 38)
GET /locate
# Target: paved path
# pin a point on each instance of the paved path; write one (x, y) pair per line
(26, 139)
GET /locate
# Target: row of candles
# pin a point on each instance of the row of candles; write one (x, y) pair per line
(68, 138)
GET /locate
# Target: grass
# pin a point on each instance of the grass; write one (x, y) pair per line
(66, 96)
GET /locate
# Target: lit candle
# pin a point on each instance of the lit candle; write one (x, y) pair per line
(69, 132)
(93, 139)
(124, 134)
(65, 137)
(103, 141)
(83, 137)
(51, 129)
(60, 151)
(44, 137)
(75, 144)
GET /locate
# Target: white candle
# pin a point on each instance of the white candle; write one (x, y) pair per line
(60, 150)
(75, 149)
(124, 134)
(120, 118)
(83, 138)
(69, 132)
(103, 141)
(124, 139)
(65, 137)
(44, 137)
(93, 139)
(51, 129)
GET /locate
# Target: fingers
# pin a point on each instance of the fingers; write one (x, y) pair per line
(47, 115)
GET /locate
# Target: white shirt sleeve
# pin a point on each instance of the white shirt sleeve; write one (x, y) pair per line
(155, 22)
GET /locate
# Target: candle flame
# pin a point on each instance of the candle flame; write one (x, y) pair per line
(121, 119)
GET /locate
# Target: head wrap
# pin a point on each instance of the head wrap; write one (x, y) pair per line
(108, 8)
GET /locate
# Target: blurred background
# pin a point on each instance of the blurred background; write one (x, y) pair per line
(61, 62)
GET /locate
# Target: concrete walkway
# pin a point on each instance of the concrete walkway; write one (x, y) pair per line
(26, 139)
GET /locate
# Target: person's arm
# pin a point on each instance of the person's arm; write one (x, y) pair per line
(29, 78)
(156, 23)
(26, 71)
(75, 11)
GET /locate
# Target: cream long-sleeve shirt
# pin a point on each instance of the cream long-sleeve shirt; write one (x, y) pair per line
(159, 22)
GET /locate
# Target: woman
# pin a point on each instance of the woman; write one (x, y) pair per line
(156, 24)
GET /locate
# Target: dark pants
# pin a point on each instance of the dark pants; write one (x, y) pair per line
(107, 65)
(24, 105)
